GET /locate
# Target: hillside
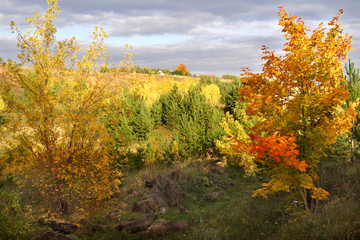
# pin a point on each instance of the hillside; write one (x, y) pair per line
(93, 152)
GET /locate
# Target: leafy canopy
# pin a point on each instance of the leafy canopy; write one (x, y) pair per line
(181, 70)
(299, 98)
(56, 140)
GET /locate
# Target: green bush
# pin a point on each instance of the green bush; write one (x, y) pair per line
(225, 87)
(171, 106)
(133, 120)
(195, 123)
(140, 117)
(231, 77)
(189, 135)
(207, 80)
(198, 126)
(154, 150)
(156, 113)
(149, 152)
(12, 222)
(130, 160)
(3, 118)
(231, 97)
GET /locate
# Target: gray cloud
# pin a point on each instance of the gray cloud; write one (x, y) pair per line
(220, 36)
(8, 48)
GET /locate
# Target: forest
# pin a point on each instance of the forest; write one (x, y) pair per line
(90, 150)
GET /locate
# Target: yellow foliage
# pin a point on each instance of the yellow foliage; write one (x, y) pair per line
(55, 138)
(211, 93)
(2, 104)
(320, 194)
(227, 145)
(127, 63)
(152, 87)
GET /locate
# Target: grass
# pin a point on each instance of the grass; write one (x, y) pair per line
(234, 215)
(225, 218)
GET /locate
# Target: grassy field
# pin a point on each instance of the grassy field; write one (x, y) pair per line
(234, 215)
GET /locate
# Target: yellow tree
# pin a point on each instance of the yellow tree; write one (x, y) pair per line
(55, 137)
(299, 98)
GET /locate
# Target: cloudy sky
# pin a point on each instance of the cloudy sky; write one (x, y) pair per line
(208, 36)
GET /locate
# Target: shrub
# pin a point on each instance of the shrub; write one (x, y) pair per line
(3, 116)
(211, 93)
(133, 121)
(198, 125)
(146, 153)
(12, 221)
(130, 160)
(140, 117)
(231, 77)
(231, 97)
(227, 145)
(154, 150)
(225, 87)
(156, 113)
(171, 106)
(122, 130)
(188, 135)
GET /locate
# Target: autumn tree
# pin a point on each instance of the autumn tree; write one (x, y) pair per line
(55, 138)
(181, 70)
(299, 97)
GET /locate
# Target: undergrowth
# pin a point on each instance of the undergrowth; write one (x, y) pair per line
(234, 215)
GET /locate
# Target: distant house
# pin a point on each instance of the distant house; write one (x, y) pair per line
(161, 73)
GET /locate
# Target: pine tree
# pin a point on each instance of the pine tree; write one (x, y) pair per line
(353, 84)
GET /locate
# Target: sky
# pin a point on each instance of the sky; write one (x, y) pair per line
(213, 37)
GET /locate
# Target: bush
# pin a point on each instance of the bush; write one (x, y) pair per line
(225, 87)
(171, 106)
(154, 150)
(123, 131)
(235, 129)
(156, 113)
(130, 160)
(3, 117)
(12, 222)
(141, 119)
(231, 97)
(133, 121)
(198, 126)
(189, 136)
(231, 77)
(147, 153)
(211, 93)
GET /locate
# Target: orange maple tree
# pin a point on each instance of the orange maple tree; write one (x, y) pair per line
(298, 97)
(181, 70)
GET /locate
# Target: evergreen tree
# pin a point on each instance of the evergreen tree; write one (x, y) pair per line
(353, 83)
(171, 106)
(198, 125)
